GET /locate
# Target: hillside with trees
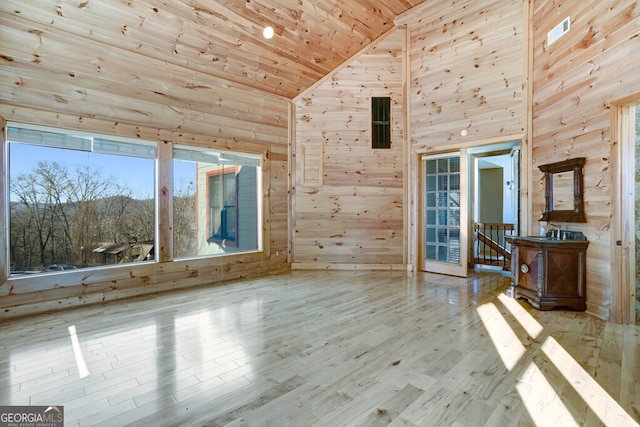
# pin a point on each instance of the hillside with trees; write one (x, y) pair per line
(80, 217)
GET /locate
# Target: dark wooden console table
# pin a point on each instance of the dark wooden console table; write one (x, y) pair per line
(550, 272)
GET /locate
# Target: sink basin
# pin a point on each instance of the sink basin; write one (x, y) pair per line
(540, 238)
(536, 238)
(568, 237)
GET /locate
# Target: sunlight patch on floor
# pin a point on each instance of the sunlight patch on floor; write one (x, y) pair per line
(600, 402)
(541, 400)
(83, 371)
(526, 320)
(504, 339)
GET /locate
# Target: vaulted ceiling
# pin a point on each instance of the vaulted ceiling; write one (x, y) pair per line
(223, 38)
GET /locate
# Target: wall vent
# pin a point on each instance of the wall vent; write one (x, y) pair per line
(559, 30)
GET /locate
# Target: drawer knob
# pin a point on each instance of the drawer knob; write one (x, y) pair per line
(524, 268)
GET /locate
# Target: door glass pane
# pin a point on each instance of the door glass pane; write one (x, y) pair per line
(454, 181)
(442, 207)
(431, 251)
(442, 215)
(431, 217)
(442, 182)
(443, 165)
(442, 236)
(443, 200)
(454, 164)
(454, 218)
(431, 183)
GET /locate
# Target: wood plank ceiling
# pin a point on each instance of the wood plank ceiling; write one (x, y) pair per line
(223, 38)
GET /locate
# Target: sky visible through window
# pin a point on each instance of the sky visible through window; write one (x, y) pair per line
(125, 171)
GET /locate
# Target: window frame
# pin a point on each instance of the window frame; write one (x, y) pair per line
(163, 209)
(236, 160)
(81, 141)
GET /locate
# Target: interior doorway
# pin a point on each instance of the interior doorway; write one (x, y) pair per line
(460, 190)
(444, 213)
(495, 204)
(625, 240)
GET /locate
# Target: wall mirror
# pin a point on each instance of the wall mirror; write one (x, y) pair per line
(563, 190)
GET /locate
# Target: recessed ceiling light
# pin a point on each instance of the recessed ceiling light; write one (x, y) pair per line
(268, 32)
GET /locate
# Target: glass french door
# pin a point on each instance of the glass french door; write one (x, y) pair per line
(444, 223)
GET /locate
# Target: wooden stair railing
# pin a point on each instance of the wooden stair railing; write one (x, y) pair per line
(489, 247)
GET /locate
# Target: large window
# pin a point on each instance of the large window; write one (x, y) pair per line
(78, 200)
(81, 200)
(218, 193)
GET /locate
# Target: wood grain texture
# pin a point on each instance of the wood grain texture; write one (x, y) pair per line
(20, 296)
(467, 72)
(199, 73)
(339, 348)
(220, 39)
(356, 215)
(574, 82)
(312, 167)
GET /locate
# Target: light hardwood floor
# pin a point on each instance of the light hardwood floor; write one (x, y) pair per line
(326, 349)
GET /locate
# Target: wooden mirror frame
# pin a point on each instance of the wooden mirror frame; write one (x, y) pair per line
(575, 215)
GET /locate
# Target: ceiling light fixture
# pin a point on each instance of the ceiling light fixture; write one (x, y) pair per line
(268, 32)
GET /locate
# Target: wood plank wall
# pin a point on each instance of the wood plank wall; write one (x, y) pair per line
(355, 217)
(48, 77)
(574, 82)
(467, 66)
(467, 62)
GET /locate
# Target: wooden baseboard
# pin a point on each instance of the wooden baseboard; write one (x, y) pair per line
(338, 266)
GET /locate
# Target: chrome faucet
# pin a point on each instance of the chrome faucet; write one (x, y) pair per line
(558, 229)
